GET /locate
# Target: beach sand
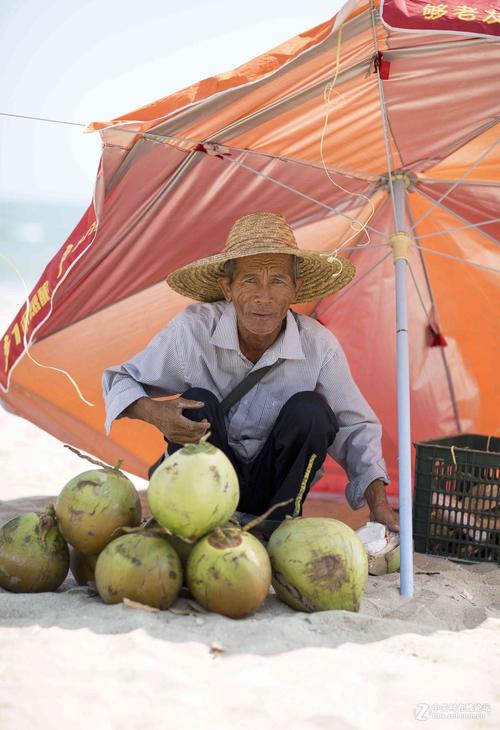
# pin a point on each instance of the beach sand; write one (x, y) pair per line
(69, 661)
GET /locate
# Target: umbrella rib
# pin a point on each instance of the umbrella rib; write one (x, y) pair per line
(300, 194)
(419, 294)
(357, 174)
(153, 137)
(444, 358)
(457, 182)
(459, 217)
(424, 268)
(443, 355)
(345, 172)
(445, 231)
(471, 183)
(452, 147)
(457, 258)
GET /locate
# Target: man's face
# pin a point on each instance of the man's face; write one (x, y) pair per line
(262, 289)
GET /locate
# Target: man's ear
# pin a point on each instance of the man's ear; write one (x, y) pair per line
(223, 282)
(298, 286)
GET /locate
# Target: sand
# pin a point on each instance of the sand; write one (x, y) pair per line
(69, 661)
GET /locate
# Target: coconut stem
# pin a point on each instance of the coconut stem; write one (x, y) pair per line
(123, 529)
(223, 539)
(298, 499)
(47, 521)
(94, 461)
(147, 526)
(258, 520)
(150, 526)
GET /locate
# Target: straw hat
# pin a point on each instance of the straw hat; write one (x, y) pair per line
(254, 234)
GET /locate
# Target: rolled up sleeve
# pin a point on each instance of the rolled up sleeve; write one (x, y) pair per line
(157, 370)
(357, 446)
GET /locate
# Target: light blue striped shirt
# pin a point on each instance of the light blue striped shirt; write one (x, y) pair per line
(200, 348)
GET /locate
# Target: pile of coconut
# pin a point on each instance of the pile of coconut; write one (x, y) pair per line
(193, 540)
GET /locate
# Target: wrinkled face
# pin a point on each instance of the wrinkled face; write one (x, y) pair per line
(262, 289)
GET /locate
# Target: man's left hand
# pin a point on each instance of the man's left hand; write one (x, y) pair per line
(380, 510)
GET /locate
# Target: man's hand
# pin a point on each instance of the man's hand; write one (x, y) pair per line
(380, 510)
(167, 417)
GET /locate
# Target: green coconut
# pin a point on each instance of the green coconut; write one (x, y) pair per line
(93, 505)
(382, 548)
(229, 572)
(82, 566)
(182, 547)
(194, 491)
(140, 566)
(318, 564)
(34, 556)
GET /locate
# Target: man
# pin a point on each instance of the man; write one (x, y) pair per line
(278, 433)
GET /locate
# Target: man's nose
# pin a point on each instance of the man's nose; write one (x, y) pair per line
(264, 293)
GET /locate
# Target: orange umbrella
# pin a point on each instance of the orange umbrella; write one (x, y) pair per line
(351, 129)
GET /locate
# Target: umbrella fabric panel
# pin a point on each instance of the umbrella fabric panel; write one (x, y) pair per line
(467, 302)
(432, 85)
(483, 146)
(113, 335)
(469, 203)
(355, 139)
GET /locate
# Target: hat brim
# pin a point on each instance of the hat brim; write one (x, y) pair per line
(321, 276)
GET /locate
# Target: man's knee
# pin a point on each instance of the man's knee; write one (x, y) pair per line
(309, 410)
(200, 394)
(206, 411)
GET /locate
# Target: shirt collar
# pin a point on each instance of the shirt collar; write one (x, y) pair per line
(226, 332)
(288, 345)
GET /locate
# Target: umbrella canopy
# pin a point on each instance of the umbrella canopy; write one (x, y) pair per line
(320, 129)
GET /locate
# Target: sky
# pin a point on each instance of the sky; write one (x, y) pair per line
(88, 60)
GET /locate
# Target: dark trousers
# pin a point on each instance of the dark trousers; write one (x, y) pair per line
(306, 425)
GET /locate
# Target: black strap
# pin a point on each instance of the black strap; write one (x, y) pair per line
(245, 385)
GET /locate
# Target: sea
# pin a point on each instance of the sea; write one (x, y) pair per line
(31, 232)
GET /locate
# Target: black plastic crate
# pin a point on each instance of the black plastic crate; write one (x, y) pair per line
(456, 506)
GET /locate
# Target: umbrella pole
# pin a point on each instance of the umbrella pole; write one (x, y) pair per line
(400, 243)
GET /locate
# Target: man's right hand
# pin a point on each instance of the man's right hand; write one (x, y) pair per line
(167, 417)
